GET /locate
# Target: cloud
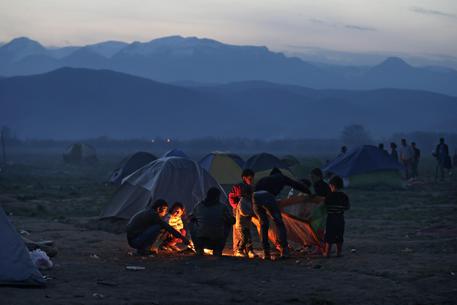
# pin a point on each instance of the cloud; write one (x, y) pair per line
(342, 25)
(425, 11)
(359, 28)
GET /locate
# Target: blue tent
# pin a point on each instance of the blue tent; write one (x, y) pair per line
(175, 153)
(360, 160)
(366, 165)
(129, 165)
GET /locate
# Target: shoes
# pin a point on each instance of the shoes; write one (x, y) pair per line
(266, 255)
(239, 253)
(284, 253)
(251, 254)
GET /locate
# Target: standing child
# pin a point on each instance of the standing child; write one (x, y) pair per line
(337, 202)
(175, 221)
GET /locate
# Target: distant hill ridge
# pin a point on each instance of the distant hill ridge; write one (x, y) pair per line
(72, 103)
(190, 59)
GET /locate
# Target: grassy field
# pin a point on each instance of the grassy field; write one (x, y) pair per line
(401, 248)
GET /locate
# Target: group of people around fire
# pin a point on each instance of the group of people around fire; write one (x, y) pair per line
(211, 221)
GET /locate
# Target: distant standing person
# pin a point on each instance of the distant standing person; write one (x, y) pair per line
(416, 159)
(393, 151)
(337, 202)
(381, 148)
(265, 203)
(343, 151)
(210, 223)
(240, 199)
(146, 227)
(406, 157)
(443, 159)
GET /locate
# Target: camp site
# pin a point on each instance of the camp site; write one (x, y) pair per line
(228, 152)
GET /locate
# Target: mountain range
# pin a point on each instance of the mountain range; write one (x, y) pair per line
(176, 59)
(72, 103)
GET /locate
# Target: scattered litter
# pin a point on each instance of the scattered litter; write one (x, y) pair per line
(353, 250)
(95, 256)
(107, 283)
(40, 259)
(135, 268)
(452, 273)
(297, 261)
(24, 232)
(98, 295)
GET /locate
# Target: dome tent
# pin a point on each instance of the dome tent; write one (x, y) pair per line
(176, 153)
(16, 266)
(366, 166)
(80, 153)
(172, 179)
(226, 168)
(263, 163)
(129, 165)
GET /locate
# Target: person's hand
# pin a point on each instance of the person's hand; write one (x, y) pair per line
(186, 241)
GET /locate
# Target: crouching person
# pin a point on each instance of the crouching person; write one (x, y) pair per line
(147, 227)
(210, 223)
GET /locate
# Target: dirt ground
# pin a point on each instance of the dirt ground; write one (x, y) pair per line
(400, 248)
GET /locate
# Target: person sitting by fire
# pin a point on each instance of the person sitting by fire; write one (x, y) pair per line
(240, 199)
(147, 228)
(210, 223)
(177, 212)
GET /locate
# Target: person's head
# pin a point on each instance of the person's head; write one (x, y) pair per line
(159, 206)
(213, 194)
(393, 145)
(275, 171)
(413, 144)
(336, 183)
(442, 140)
(316, 175)
(403, 141)
(344, 149)
(247, 176)
(381, 146)
(177, 209)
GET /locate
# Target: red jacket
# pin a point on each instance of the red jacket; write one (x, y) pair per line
(239, 190)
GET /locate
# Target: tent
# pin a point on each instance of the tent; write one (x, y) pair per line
(366, 166)
(290, 161)
(130, 164)
(263, 163)
(226, 168)
(16, 266)
(80, 154)
(176, 153)
(172, 179)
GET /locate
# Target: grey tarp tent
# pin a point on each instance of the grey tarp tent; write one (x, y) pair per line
(130, 164)
(172, 179)
(16, 266)
(80, 153)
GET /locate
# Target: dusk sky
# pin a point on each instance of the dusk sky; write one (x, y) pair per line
(416, 27)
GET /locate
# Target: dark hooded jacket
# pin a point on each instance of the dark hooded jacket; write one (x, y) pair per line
(211, 219)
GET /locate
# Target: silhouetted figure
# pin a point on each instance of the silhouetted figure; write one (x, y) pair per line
(381, 148)
(406, 157)
(320, 187)
(443, 159)
(416, 159)
(210, 223)
(265, 203)
(393, 151)
(240, 198)
(337, 202)
(343, 151)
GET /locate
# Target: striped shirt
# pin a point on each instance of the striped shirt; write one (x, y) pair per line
(337, 203)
